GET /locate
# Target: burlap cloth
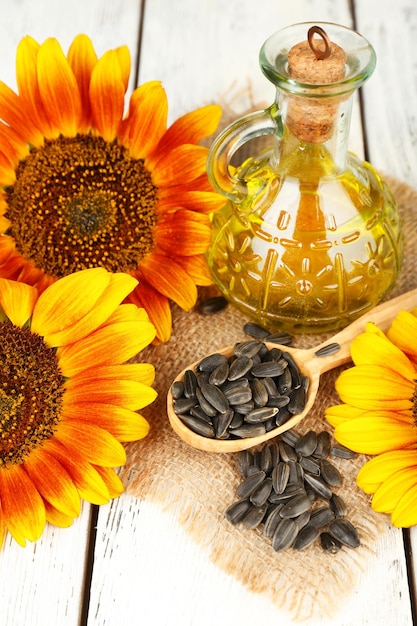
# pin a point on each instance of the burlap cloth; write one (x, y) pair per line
(201, 485)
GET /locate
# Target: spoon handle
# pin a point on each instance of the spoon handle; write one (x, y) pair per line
(382, 315)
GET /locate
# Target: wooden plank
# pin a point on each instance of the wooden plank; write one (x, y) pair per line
(204, 52)
(44, 583)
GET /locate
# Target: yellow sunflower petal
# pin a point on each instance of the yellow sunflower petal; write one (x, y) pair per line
(339, 413)
(57, 518)
(185, 162)
(403, 332)
(17, 300)
(375, 387)
(89, 483)
(123, 56)
(374, 434)
(404, 514)
(53, 482)
(62, 318)
(375, 349)
(58, 89)
(95, 444)
(82, 59)
(107, 90)
(379, 468)
(111, 480)
(170, 279)
(184, 231)
(388, 494)
(22, 506)
(112, 344)
(147, 119)
(122, 423)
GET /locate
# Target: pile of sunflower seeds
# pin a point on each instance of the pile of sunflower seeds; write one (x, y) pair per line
(288, 488)
(248, 394)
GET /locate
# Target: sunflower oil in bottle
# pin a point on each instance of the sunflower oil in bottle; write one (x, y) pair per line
(310, 238)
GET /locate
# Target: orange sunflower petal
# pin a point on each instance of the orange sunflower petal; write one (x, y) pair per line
(58, 89)
(170, 279)
(107, 90)
(112, 344)
(198, 269)
(62, 318)
(13, 113)
(82, 59)
(201, 201)
(22, 506)
(140, 372)
(374, 434)
(95, 444)
(184, 231)
(191, 127)
(27, 83)
(17, 300)
(129, 394)
(147, 119)
(88, 481)
(186, 162)
(157, 306)
(53, 482)
(122, 423)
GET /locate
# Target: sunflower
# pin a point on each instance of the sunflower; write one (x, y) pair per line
(68, 398)
(85, 184)
(379, 415)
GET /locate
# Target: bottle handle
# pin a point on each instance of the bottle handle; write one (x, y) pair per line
(233, 137)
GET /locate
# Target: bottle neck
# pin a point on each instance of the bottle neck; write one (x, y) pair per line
(315, 126)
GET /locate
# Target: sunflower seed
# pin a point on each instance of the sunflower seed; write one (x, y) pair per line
(295, 372)
(219, 375)
(297, 505)
(237, 511)
(323, 445)
(330, 348)
(244, 460)
(205, 405)
(290, 437)
(287, 452)
(244, 408)
(259, 393)
(290, 491)
(280, 475)
(197, 411)
(248, 486)
(338, 506)
(267, 369)
(255, 516)
(177, 389)
(209, 363)
(215, 397)
(297, 401)
(307, 443)
(321, 517)
(284, 535)
(222, 423)
(183, 405)
(265, 459)
(330, 473)
(285, 381)
(272, 520)
(270, 386)
(249, 430)
(329, 544)
(306, 537)
(344, 531)
(258, 332)
(260, 415)
(212, 305)
(319, 486)
(342, 452)
(239, 367)
(284, 339)
(278, 401)
(303, 519)
(248, 348)
(310, 465)
(261, 493)
(238, 395)
(190, 384)
(198, 426)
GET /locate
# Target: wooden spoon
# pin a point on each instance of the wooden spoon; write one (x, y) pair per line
(309, 364)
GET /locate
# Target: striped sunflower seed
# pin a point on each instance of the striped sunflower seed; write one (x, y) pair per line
(252, 482)
(285, 534)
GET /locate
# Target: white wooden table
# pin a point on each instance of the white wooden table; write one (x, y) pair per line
(130, 563)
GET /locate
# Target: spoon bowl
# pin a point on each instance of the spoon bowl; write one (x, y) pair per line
(311, 362)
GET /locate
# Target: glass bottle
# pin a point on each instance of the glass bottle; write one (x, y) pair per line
(310, 237)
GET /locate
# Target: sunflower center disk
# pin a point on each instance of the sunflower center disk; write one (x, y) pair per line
(80, 202)
(31, 392)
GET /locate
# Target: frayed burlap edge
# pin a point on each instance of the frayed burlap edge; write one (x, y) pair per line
(199, 486)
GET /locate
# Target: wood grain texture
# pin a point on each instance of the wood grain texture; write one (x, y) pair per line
(146, 569)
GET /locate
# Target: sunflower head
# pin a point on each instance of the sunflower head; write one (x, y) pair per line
(379, 415)
(85, 184)
(68, 397)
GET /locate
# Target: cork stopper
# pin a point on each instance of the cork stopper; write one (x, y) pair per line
(316, 61)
